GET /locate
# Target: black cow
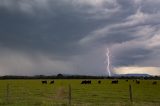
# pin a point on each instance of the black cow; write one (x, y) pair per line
(44, 82)
(52, 82)
(154, 82)
(114, 82)
(99, 82)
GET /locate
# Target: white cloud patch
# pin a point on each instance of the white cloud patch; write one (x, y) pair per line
(154, 41)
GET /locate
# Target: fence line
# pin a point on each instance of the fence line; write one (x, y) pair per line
(7, 93)
(19, 94)
(69, 95)
(130, 93)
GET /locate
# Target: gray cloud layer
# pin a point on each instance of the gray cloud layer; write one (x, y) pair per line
(71, 36)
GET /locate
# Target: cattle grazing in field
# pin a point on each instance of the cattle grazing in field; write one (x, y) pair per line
(44, 82)
(154, 82)
(137, 82)
(114, 82)
(83, 82)
(99, 82)
(86, 82)
(52, 82)
(89, 82)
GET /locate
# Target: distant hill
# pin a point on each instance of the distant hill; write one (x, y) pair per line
(133, 75)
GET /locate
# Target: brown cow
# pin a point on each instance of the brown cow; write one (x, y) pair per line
(137, 82)
(154, 82)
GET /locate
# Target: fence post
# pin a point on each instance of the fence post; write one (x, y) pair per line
(69, 95)
(7, 93)
(130, 93)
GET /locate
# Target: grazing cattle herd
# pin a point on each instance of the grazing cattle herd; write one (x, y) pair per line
(115, 81)
(86, 82)
(45, 82)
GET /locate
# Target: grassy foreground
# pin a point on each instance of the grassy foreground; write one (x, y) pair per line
(34, 93)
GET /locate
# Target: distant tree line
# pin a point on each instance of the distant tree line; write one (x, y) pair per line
(61, 76)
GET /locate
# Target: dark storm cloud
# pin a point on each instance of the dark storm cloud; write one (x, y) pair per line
(55, 31)
(74, 34)
(21, 31)
(132, 56)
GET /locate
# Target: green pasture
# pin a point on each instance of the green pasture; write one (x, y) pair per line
(34, 93)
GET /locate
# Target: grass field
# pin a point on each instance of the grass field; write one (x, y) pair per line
(34, 93)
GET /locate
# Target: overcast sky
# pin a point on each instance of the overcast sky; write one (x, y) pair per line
(71, 36)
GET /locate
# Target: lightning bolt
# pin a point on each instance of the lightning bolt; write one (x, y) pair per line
(108, 62)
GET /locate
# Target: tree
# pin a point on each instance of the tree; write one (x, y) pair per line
(60, 76)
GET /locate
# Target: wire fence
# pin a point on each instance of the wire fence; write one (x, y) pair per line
(22, 94)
